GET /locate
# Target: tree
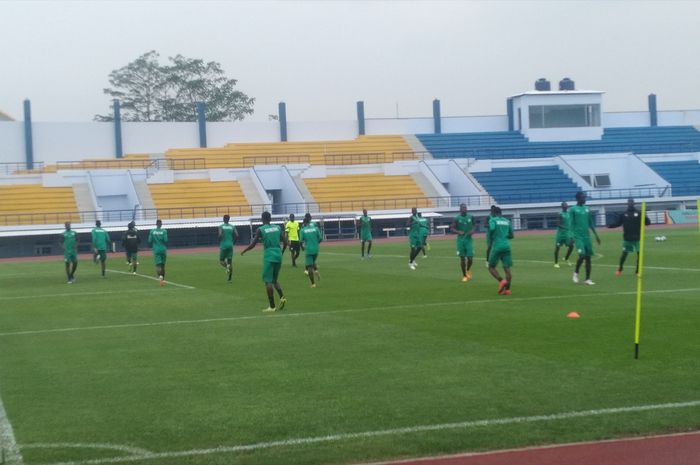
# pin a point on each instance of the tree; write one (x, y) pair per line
(149, 91)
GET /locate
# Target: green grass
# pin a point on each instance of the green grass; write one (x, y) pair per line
(375, 347)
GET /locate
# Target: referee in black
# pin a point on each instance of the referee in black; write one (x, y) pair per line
(630, 221)
(131, 241)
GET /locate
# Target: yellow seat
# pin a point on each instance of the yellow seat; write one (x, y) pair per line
(35, 204)
(198, 198)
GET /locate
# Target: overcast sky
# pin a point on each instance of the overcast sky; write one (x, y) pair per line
(320, 57)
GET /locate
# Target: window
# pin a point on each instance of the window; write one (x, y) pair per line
(597, 180)
(564, 116)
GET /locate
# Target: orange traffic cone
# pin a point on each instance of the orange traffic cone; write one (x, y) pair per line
(573, 315)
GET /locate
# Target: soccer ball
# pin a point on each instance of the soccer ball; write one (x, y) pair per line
(660, 238)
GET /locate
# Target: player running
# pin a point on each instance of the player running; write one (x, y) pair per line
(130, 242)
(292, 227)
(158, 240)
(463, 226)
(498, 236)
(271, 235)
(564, 235)
(364, 224)
(414, 237)
(424, 231)
(227, 237)
(631, 228)
(69, 243)
(100, 241)
(311, 237)
(581, 222)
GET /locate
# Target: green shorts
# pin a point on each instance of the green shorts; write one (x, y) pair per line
(159, 258)
(270, 272)
(226, 254)
(502, 255)
(310, 259)
(563, 240)
(416, 242)
(132, 257)
(465, 247)
(584, 246)
(102, 254)
(630, 246)
(70, 257)
(366, 236)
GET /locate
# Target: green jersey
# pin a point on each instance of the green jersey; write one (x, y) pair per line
(271, 237)
(311, 236)
(465, 224)
(365, 224)
(70, 238)
(100, 238)
(414, 229)
(227, 234)
(424, 226)
(564, 225)
(500, 232)
(581, 221)
(158, 240)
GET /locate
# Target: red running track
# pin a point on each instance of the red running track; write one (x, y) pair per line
(674, 449)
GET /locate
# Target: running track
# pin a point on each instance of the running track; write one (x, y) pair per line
(673, 449)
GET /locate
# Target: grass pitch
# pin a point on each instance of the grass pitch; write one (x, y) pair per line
(377, 362)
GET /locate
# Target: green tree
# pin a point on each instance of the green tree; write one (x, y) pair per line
(149, 91)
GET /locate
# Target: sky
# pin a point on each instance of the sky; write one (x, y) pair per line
(320, 57)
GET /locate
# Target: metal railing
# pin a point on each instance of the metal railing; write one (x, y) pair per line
(272, 159)
(8, 168)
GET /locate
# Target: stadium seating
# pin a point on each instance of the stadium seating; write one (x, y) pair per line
(511, 144)
(527, 185)
(372, 191)
(35, 204)
(130, 161)
(199, 198)
(364, 149)
(684, 176)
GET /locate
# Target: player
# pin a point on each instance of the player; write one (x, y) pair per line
(564, 235)
(271, 235)
(463, 226)
(292, 227)
(488, 242)
(364, 224)
(227, 237)
(69, 243)
(311, 237)
(414, 237)
(500, 232)
(581, 222)
(424, 231)
(130, 242)
(158, 240)
(100, 241)
(631, 229)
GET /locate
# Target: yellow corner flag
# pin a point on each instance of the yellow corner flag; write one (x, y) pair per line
(639, 280)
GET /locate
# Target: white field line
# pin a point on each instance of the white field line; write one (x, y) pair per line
(90, 445)
(507, 300)
(76, 294)
(151, 277)
(516, 260)
(8, 444)
(387, 432)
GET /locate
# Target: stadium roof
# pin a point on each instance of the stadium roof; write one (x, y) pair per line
(558, 92)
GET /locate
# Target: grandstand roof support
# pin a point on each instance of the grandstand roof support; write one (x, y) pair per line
(436, 116)
(283, 121)
(653, 121)
(202, 121)
(118, 150)
(28, 143)
(361, 118)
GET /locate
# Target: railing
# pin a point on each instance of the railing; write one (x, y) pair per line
(292, 159)
(366, 158)
(8, 168)
(356, 205)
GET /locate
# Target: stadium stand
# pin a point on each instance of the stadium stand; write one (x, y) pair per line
(527, 185)
(362, 150)
(131, 161)
(354, 192)
(36, 204)
(684, 176)
(199, 198)
(512, 144)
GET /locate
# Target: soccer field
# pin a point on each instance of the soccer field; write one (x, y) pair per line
(377, 362)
